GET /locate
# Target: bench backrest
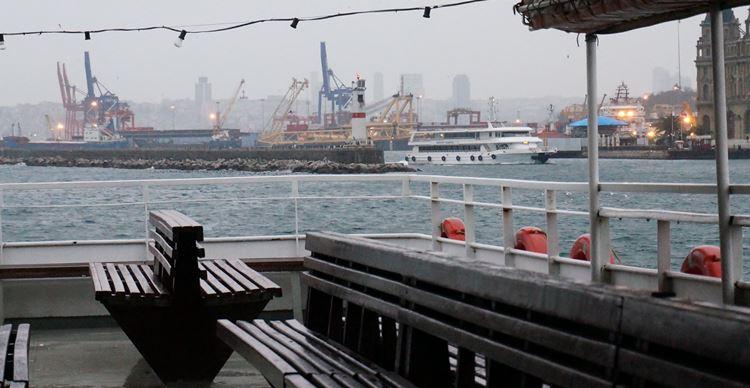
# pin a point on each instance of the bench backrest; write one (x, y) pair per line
(14, 355)
(176, 249)
(403, 308)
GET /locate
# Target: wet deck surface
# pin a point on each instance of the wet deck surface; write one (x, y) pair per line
(104, 357)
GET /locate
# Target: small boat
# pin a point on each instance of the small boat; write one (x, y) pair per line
(477, 146)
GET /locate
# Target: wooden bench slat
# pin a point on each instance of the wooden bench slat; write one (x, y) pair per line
(333, 356)
(262, 281)
(298, 381)
(299, 363)
(153, 280)
(163, 244)
(302, 330)
(142, 282)
(21, 354)
(4, 343)
(94, 278)
(213, 282)
(206, 289)
(288, 345)
(223, 277)
(116, 281)
(273, 367)
(101, 275)
(245, 282)
(129, 281)
(160, 258)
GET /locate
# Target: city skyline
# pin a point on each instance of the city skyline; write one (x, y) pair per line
(147, 67)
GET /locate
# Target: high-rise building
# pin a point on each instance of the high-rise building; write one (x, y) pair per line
(737, 73)
(203, 101)
(412, 84)
(461, 91)
(202, 91)
(378, 91)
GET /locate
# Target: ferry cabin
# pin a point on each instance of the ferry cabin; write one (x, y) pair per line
(476, 146)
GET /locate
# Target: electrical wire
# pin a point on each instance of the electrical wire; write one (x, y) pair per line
(242, 24)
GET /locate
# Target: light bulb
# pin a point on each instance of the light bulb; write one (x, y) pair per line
(180, 39)
(2, 42)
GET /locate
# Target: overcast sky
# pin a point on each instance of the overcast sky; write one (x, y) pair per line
(486, 41)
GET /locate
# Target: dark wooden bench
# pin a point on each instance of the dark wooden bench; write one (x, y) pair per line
(290, 355)
(442, 321)
(169, 310)
(14, 351)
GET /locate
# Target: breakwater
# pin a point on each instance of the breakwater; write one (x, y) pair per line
(235, 164)
(367, 155)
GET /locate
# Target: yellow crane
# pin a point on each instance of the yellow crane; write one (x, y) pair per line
(220, 119)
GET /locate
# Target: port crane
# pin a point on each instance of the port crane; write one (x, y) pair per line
(283, 111)
(99, 107)
(333, 90)
(221, 118)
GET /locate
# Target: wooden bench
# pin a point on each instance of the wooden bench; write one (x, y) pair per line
(442, 321)
(290, 355)
(14, 352)
(169, 310)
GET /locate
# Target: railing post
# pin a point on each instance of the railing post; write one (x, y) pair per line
(508, 229)
(469, 220)
(435, 215)
(553, 238)
(144, 192)
(406, 186)
(735, 233)
(664, 255)
(295, 196)
(728, 276)
(597, 261)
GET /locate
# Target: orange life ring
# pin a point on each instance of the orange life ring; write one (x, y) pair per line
(581, 249)
(532, 239)
(453, 228)
(703, 260)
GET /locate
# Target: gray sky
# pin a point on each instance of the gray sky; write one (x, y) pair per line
(486, 41)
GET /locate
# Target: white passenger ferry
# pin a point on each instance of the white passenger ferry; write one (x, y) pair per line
(477, 146)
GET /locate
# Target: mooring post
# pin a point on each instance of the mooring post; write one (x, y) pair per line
(597, 260)
(728, 275)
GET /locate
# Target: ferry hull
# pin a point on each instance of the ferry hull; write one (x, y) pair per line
(466, 159)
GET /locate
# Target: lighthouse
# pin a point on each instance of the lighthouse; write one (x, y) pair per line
(359, 118)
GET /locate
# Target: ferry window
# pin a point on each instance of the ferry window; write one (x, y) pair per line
(515, 134)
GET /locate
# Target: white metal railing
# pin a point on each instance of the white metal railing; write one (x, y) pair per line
(662, 279)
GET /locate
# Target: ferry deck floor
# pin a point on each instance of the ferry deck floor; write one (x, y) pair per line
(102, 356)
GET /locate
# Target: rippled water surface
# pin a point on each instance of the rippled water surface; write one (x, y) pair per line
(255, 209)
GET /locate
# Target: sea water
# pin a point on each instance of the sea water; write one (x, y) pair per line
(258, 209)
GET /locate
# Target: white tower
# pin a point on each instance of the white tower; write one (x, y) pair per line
(359, 118)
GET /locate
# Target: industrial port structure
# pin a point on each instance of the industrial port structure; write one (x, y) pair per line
(99, 109)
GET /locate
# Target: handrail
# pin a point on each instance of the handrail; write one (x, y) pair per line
(413, 188)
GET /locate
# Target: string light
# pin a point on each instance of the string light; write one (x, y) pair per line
(87, 35)
(180, 39)
(294, 22)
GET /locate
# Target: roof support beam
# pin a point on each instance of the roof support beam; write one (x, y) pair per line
(728, 268)
(597, 261)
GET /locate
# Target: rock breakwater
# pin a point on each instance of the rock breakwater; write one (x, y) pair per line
(236, 164)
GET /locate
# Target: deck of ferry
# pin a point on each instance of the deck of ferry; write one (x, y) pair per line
(45, 283)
